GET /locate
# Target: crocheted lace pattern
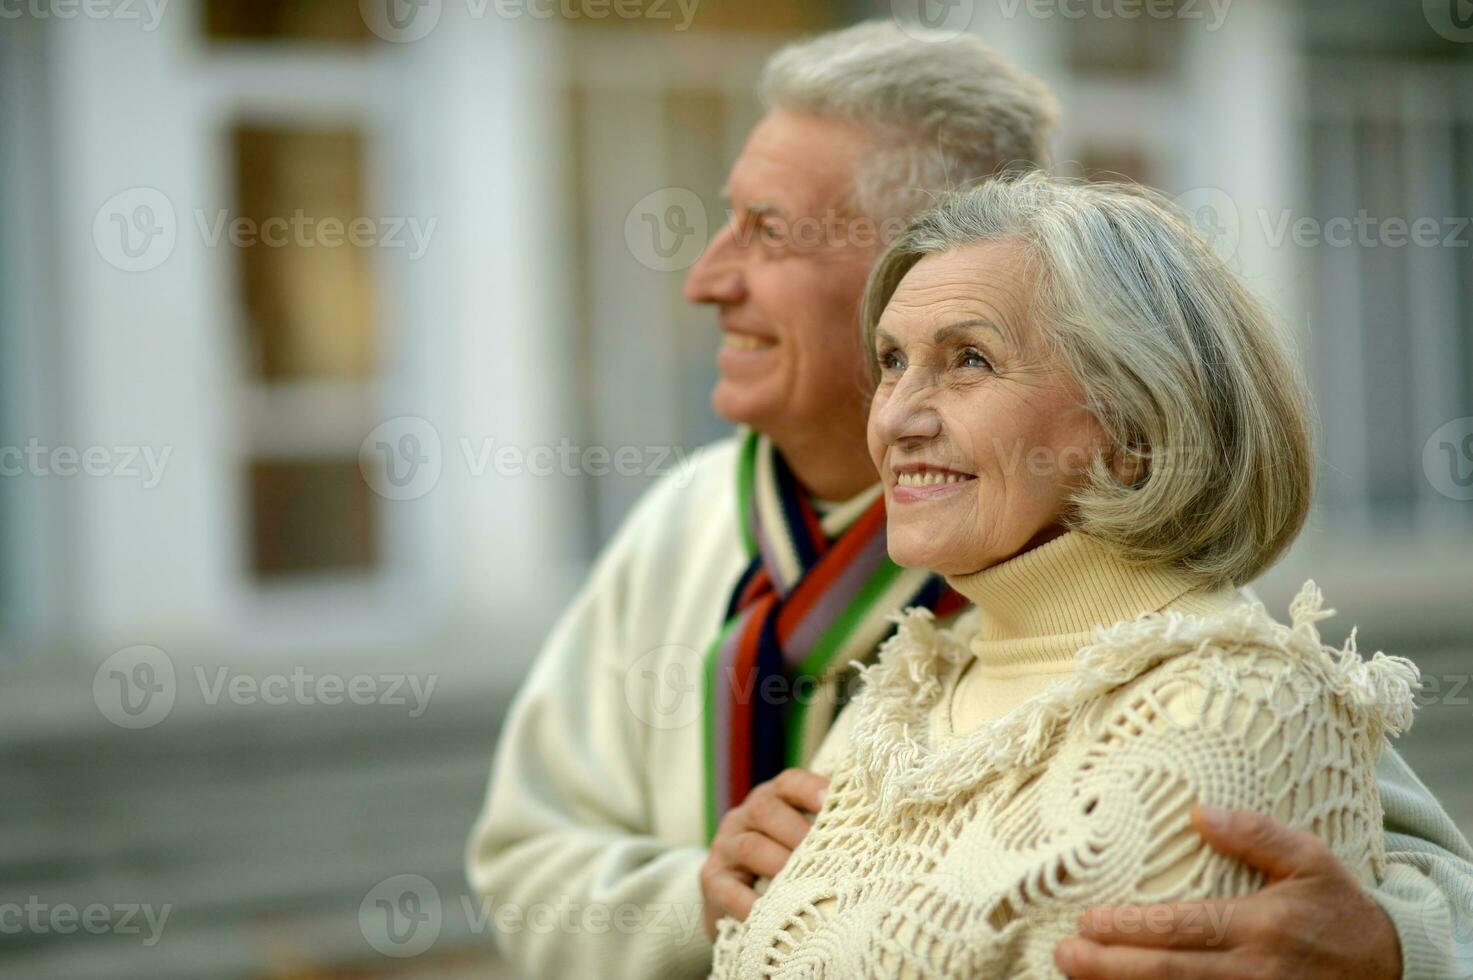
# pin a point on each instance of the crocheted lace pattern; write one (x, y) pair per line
(941, 856)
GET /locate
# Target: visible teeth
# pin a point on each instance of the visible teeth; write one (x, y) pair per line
(741, 341)
(928, 479)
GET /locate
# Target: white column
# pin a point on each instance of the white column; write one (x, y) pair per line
(140, 360)
(488, 309)
(1237, 130)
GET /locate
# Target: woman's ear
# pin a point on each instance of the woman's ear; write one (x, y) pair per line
(1130, 464)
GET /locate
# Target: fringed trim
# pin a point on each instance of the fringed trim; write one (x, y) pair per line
(1382, 688)
(898, 767)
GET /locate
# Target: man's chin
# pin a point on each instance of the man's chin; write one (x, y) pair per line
(740, 405)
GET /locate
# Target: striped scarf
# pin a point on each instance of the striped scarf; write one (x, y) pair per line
(816, 595)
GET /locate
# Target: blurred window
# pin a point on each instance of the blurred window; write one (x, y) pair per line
(1387, 143)
(309, 345)
(285, 20)
(1110, 43)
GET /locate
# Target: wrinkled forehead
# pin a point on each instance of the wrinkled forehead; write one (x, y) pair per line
(798, 164)
(988, 282)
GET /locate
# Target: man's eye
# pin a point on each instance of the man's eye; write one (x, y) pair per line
(770, 231)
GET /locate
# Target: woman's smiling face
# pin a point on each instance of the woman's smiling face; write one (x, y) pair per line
(979, 434)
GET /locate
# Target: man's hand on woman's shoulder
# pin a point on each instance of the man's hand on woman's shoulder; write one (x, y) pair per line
(1312, 920)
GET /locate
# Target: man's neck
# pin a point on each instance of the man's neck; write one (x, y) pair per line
(834, 468)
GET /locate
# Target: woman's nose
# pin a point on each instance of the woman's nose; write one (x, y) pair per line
(907, 413)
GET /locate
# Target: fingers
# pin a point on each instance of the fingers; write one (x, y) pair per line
(753, 852)
(755, 840)
(1264, 843)
(727, 893)
(801, 788)
(1080, 959)
(1201, 926)
(779, 807)
(778, 818)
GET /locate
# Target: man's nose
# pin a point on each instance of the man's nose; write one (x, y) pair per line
(717, 275)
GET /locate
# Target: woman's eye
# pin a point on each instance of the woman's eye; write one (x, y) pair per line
(973, 358)
(891, 360)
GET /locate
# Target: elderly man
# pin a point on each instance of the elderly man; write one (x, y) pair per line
(655, 765)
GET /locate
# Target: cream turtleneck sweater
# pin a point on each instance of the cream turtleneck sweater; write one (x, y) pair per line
(997, 779)
(1040, 610)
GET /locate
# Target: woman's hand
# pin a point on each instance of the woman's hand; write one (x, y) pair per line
(754, 840)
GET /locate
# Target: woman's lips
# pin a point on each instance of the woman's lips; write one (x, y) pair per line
(913, 485)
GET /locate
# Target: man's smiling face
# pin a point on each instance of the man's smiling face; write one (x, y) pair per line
(787, 272)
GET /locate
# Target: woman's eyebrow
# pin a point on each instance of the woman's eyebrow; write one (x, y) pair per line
(949, 332)
(961, 327)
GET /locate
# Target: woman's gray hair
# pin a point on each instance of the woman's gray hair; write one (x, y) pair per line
(1182, 366)
(946, 112)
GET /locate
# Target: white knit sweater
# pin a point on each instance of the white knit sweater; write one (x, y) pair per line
(1043, 757)
(594, 809)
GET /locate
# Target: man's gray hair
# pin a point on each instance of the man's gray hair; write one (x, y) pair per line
(946, 112)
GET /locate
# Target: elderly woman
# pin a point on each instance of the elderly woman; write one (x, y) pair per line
(1094, 431)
